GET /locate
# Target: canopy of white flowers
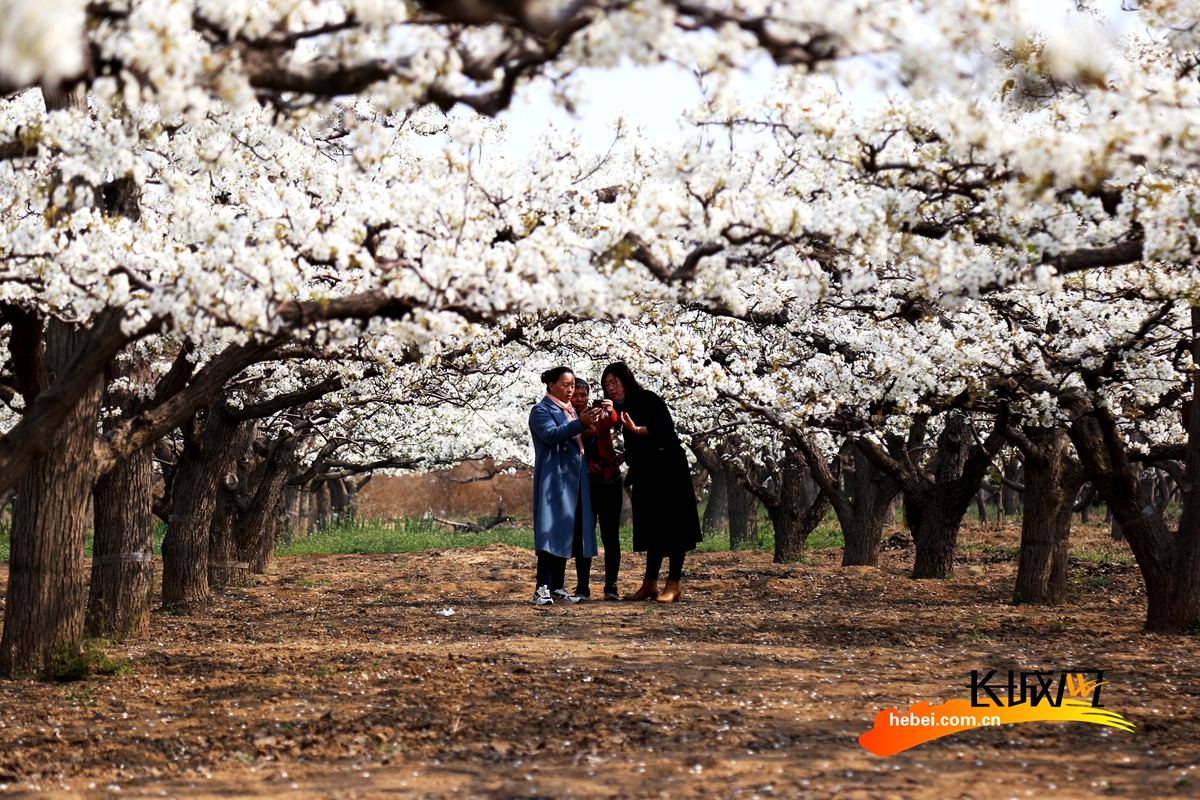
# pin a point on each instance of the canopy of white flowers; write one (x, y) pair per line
(1016, 208)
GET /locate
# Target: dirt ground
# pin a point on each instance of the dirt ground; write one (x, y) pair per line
(337, 677)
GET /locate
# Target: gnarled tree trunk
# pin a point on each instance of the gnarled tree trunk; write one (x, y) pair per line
(205, 457)
(224, 565)
(339, 499)
(743, 505)
(873, 505)
(942, 506)
(797, 510)
(324, 509)
(862, 515)
(1052, 480)
(118, 605)
(716, 512)
(44, 610)
(743, 516)
(123, 551)
(934, 509)
(1010, 498)
(256, 529)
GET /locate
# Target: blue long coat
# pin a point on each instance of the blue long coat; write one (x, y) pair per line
(560, 476)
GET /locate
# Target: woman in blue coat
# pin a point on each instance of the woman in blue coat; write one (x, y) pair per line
(562, 505)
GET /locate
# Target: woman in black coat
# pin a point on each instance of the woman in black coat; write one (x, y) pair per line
(665, 522)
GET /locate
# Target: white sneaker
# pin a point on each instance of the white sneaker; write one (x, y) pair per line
(565, 596)
(542, 597)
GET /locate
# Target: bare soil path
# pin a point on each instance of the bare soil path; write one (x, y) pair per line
(336, 677)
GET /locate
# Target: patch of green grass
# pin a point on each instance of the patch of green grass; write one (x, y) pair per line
(1103, 556)
(826, 535)
(1095, 582)
(414, 535)
(72, 664)
(410, 535)
(714, 543)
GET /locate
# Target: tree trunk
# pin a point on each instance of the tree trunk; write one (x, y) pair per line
(123, 544)
(338, 499)
(849, 475)
(291, 506)
(1106, 462)
(798, 511)
(1184, 613)
(44, 612)
(716, 511)
(743, 514)
(626, 508)
(350, 513)
(194, 494)
(256, 529)
(981, 506)
(1009, 497)
(123, 551)
(699, 481)
(939, 508)
(938, 540)
(324, 511)
(1050, 489)
(224, 566)
(873, 508)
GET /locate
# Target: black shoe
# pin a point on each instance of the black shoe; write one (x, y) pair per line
(583, 592)
(611, 593)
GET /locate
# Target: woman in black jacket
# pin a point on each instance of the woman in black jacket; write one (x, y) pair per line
(665, 522)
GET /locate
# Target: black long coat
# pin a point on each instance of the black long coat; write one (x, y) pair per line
(663, 501)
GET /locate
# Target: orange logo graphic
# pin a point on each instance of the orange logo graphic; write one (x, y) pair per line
(1032, 699)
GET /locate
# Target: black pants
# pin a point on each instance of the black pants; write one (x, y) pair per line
(606, 507)
(552, 569)
(654, 559)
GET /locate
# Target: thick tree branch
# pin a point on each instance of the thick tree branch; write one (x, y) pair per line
(632, 247)
(150, 425)
(17, 149)
(32, 436)
(346, 469)
(1127, 252)
(285, 401)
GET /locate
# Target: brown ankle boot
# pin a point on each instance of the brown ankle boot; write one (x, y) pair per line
(670, 594)
(649, 591)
